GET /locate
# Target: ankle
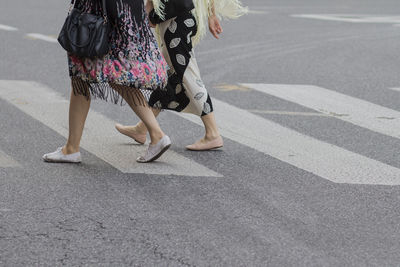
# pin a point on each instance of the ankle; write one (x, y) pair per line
(68, 149)
(140, 128)
(211, 136)
(156, 137)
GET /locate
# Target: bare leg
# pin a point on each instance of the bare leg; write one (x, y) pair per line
(209, 122)
(159, 141)
(144, 112)
(140, 128)
(78, 110)
(211, 139)
(150, 122)
(210, 126)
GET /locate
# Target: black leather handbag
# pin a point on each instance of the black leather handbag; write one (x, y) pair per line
(172, 9)
(86, 35)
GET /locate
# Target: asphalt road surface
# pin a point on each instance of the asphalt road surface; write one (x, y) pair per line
(307, 97)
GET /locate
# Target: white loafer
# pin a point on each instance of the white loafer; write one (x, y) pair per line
(155, 151)
(59, 157)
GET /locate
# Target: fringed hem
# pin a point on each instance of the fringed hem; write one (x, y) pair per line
(111, 92)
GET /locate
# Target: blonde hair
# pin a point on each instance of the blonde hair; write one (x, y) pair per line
(223, 9)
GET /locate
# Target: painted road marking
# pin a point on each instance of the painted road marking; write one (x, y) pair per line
(356, 111)
(353, 18)
(232, 87)
(38, 36)
(395, 89)
(7, 28)
(7, 161)
(100, 137)
(290, 113)
(307, 153)
(258, 12)
(320, 158)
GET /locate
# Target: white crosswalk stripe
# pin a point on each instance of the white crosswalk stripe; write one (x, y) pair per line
(352, 18)
(7, 161)
(100, 137)
(7, 28)
(38, 36)
(304, 152)
(290, 113)
(325, 160)
(258, 12)
(350, 109)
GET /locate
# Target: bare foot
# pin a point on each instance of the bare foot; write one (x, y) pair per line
(132, 132)
(205, 144)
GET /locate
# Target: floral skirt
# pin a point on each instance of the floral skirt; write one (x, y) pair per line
(133, 62)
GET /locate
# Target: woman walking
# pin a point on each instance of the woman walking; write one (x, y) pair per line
(134, 66)
(185, 91)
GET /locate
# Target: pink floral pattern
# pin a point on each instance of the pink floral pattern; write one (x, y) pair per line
(134, 59)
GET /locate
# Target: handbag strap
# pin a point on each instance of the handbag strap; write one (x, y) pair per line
(105, 14)
(71, 6)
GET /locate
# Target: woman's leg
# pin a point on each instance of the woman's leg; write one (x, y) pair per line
(78, 110)
(159, 141)
(210, 126)
(194, 99)
(149, 120)
(139, 131)
(211, 136)
(181, 57)
(138, 104)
